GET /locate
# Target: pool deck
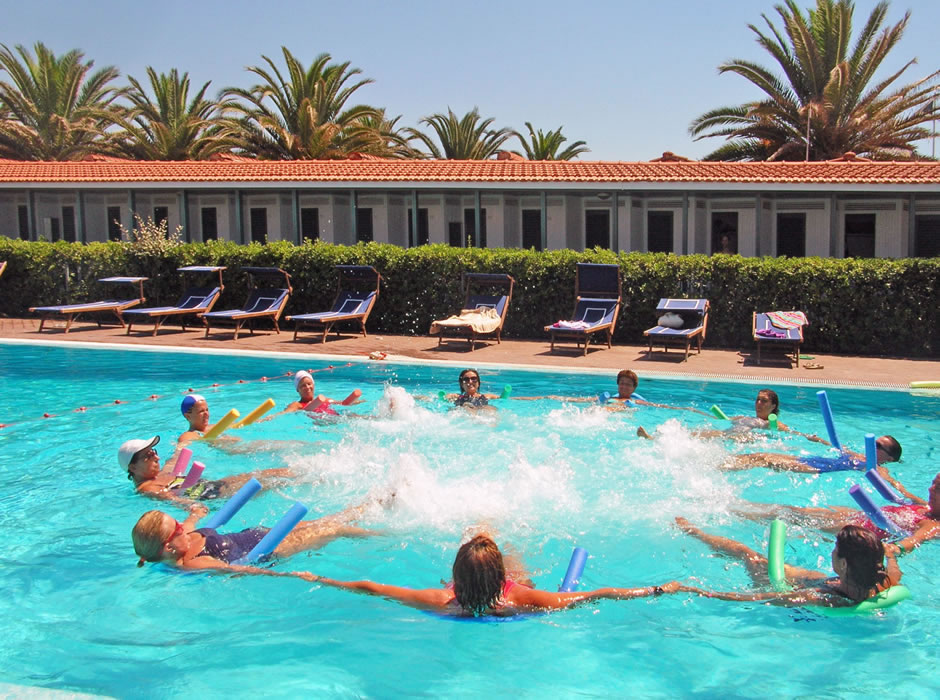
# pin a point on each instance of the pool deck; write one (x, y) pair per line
(711, 363)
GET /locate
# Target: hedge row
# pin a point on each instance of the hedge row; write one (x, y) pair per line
(855, 306)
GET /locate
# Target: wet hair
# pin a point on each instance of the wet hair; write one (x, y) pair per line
(864, 555)
(892, 447)
(148, 537)
(628, 373)
(772, 395)
(479, 575)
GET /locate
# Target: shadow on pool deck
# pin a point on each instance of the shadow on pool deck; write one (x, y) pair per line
(730, 364)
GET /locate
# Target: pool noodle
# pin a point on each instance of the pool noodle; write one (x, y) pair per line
(718, 413)
(182, 461)
(222, 425)
(635, 395)
(234, 504)
(575, 568)
(772, 422)
(884, 488)
(194, 473)
(827, 417)
(352, 398)
(256, 414)
(874, 512)
(871, 452)
(603, 397)
(776, 570)
(277, 533)
(507, 391)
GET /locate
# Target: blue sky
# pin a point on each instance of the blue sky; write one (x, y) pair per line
(627, 77)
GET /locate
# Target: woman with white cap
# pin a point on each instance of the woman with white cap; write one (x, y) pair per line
(139, 458)
(303, 383)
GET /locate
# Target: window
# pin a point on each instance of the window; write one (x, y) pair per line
(659, 231)
(364, 224)
(596, 228)
(791, 235)
(209, 223)
(725, 232)
(22, 213)
(258, 217)
(532, 229)
(424, 233)
(160, 214)
(926, 236)
(53, 229)
(859, 235)
(68, 224)
(454, 234)
(114, 223)
(469, 224)
(309, 223)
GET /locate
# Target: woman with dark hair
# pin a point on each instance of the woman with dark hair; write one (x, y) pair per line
(887, 449)
(486, 583)
(470, 395)
(858, 559)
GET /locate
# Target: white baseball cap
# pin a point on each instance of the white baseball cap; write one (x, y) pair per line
(129, 450)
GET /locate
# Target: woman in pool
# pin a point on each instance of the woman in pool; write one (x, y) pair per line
(888, 450)
(858, 559)
(195, 410)
(158, 537)
(140, 459)
(304, 385)
(921, 518)
(470, 395)
(484, 583)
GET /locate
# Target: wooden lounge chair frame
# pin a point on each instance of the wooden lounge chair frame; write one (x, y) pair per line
(681, 307)
(348, 274)
(472, 282)
(71, 312)
(786, 343)
(588, 288)
(161, 314)
(244, 316)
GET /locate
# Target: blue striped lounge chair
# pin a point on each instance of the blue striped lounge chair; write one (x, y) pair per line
(71, 312)
(694, 314)
(193, 302)
(597, 303)
(350, 305)
(766, 333)
(264, 302)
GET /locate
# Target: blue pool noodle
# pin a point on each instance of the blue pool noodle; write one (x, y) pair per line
(575, 568)
(234, 504)
(277, 533)
(636, 396)
(827, 416)
(871, 452)
(884, 488)
(874, 512)
(603, 397)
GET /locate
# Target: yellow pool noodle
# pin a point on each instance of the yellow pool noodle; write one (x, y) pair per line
(256, 414)
(222, 425)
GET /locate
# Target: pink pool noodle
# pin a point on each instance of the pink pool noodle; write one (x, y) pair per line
(194, 473)
(182, 461)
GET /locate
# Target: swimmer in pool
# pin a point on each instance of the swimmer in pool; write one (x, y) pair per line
(858, 559)
(304, 385)
(921, 518)
(195, 410)
(470, 395)
(485, 583)
(139, 458)
(159, 538)
(888, 450)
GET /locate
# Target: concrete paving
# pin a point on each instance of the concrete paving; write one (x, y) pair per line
(711, 363)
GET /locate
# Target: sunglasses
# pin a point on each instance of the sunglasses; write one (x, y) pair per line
(177, 531)
(141, 456)
(467, 380)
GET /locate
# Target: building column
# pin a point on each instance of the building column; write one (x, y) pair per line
(413, 238)
(476, 219)
(834, 246)
(615, 223)
(353, 207)
(911, 226)
(239, 218)
(80, 215)
(32, 230)
(183, 203)
(295, 216)
(686, 248)
(543, 203)
(131, 209)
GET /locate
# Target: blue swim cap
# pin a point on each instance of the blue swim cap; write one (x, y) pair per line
(188, 402)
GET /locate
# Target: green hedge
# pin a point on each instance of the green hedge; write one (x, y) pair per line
(867, 307)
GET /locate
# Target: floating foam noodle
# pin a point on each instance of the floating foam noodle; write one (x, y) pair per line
(635, 395)
(352, 398)
(222, 425)
(926, 385)
(575, 568)
(776, 571)
(827, 417)
(874, 512)
(884, 488)
(277, 533)
(234, 504)
(256, 414)
(507, 391)
(871, 452)
(718, 413)
(603, 397)
(195, 473)
(182, 461)
(773, 422)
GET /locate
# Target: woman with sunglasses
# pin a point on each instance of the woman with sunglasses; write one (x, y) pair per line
(158, 537)
(140, 459)
(470, 395)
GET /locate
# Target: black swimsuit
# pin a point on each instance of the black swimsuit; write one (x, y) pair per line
(231, 547)
(475, 401)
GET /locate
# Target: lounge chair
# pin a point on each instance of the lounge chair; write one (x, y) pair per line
(193, 302)
(71, 312)
(482, 315)
(779, 329)
(263, 302)
(3, 266)
(597, 303)
(350, 305)
(694, 323)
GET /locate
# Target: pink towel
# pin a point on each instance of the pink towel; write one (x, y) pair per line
(787, 319)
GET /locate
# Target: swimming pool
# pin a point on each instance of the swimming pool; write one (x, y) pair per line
(77, 614)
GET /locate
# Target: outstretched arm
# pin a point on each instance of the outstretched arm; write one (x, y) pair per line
(898, 486)
(424, 599)
(928, 529)
(547, 600)
(789, 599)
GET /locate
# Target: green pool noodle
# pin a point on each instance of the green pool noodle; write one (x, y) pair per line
(718, 413)
(772, 422)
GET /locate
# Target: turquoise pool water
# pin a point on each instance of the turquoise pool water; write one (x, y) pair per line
(77, 614)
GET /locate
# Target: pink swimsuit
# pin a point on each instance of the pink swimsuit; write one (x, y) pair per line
(906, 517)
(322, 408)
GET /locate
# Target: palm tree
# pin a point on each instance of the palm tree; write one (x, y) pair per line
(467, 138)
(824, 106)
(169, 126)
(544, 146)
(303, 117)
(56, 108)
(389, 140)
